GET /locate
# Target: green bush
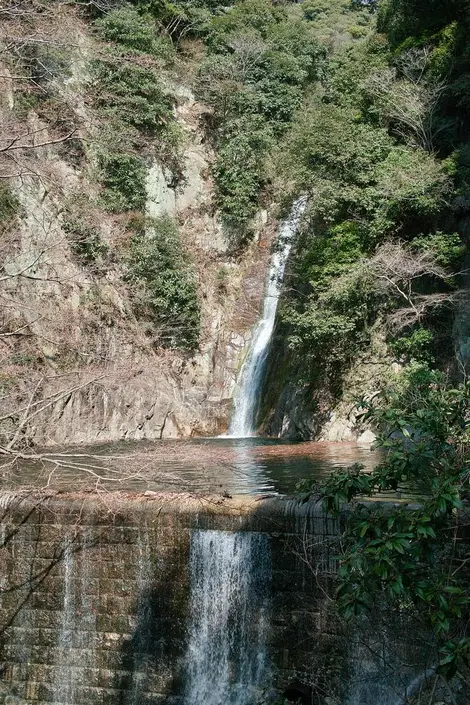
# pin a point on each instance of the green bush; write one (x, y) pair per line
(448, 250)
(125, 26)
(123, 176)
(313, 9)
(131, 95)
(85, 241)
(415, 346)
(258, 67)
(256, 14)
(406, 556)
(239, 171)
(164, 284)
(9, 205)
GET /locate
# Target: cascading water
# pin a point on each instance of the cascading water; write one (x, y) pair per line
(252, 372)
(77, 618)
(64, 681)
(227, 655)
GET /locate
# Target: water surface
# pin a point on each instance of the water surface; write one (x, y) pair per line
(221, 465)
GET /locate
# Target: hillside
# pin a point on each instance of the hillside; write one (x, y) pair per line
(148, 151)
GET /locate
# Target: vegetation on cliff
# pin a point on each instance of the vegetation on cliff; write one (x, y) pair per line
(389, 249)
(381, 147)
(360, 105)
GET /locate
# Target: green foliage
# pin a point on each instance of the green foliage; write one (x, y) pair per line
(259, 64)
(348, 72)
(238, 170)
(259, 15)
(340, 488)
(136, 111)
(405, 554)
(371, 181)
(358, 172)
(124, 25)
(327, 143)
(164, 284)
(334, 319)
(411, 183)
(402, 19)
(123, 176)
(85, 241)
(313, 9)
(131, 95)
(9, 205)
(447, 249)
(415, 346)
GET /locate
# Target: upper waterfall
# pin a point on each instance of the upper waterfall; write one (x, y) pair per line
(251, 376)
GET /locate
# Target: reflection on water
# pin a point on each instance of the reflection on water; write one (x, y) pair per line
(220, 465)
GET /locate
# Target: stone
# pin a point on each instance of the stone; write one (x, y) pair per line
(366, 438)
(161, 198)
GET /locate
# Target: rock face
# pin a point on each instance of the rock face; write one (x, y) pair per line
(298, 412)
(81, 367)
(104, 379)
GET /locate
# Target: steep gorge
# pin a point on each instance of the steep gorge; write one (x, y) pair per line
(145, 166)
(234, 220)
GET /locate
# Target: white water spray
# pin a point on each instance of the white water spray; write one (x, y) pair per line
(64, 680)
(251, 376)
(77, 622)
(227, 656)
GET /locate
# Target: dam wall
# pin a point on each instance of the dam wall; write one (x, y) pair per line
(100, 595)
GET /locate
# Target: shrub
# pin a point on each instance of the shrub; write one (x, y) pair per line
(258, 66)
(85, 241)
(239, 170)
(131, 95)
(123, 176)
(125, 26)
(448, 250)
(9, 205)
(165, 286)
(406, 556)
(415, 346)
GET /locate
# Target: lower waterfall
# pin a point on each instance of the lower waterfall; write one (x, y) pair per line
(252, 373)
(77, 619)
(229, 602)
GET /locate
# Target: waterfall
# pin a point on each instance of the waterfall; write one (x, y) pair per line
(142, 666)
(227, 655)
(77, 618)
(251, 376)
(64, 681)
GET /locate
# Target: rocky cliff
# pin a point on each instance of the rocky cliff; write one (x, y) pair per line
(79, 364)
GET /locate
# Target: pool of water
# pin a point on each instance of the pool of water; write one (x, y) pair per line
(220, 465)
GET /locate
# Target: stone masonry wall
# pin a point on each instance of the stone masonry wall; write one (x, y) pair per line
(94, 593)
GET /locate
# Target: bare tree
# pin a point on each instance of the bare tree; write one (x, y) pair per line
(248, 48)
(397, 269)
(407, 98)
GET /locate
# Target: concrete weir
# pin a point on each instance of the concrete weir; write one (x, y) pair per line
(168, 599)
(97, 604)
